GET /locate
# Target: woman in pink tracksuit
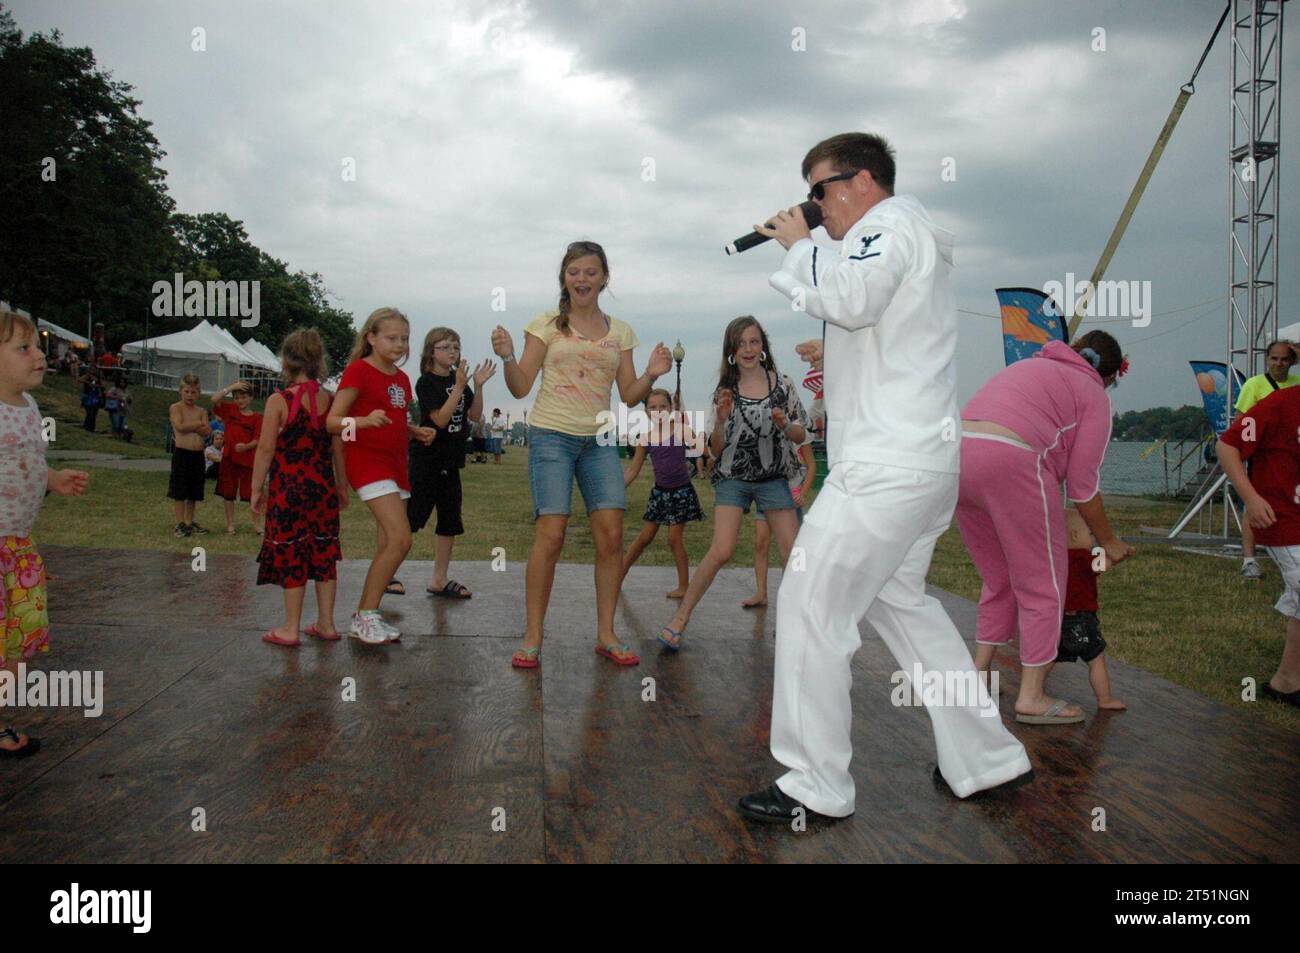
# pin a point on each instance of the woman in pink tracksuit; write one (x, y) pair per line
(1039, 423)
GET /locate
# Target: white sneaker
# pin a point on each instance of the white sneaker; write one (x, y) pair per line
(391, 633)
(1250, 570)
(366, 627)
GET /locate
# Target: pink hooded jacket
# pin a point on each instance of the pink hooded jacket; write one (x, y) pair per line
(1057, 403)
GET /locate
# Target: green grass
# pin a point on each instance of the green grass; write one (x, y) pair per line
(1188, 618)
(60, 397)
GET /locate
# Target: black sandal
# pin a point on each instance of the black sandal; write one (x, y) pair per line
(26, 751)
(453, 590)
(399, 591)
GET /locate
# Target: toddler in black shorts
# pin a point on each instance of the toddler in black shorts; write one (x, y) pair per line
(1081, 628)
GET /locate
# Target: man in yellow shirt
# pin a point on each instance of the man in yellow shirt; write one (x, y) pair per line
(1281, 358)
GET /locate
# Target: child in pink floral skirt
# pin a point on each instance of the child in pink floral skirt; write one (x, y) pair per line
(24, 481)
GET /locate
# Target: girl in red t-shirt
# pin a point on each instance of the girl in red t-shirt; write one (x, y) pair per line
(369, 413)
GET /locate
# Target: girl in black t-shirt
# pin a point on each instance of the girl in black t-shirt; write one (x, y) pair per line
(449, 405)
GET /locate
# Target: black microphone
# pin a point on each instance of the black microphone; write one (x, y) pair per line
(812, 214)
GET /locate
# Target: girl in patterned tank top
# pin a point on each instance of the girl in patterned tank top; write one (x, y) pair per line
(757, 421)
(673, 502)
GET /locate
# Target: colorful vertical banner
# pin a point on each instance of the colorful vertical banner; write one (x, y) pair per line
(1212, 382)
(1029, 320)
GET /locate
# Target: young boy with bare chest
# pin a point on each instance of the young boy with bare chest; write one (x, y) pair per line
(190, 425)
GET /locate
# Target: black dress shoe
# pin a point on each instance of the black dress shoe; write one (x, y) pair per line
(1288, 698)
(774, 806)
(1017, 782)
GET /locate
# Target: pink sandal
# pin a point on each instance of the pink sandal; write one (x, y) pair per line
(271, 637)
(316, 633)
(629, 658)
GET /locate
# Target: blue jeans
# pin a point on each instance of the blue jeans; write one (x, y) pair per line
(769, 494)
(555, 458)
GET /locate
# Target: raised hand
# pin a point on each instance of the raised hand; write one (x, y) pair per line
(462, 376)
(788, 227)
(483, 373)
(810, 352)
(724, 405)
(502, 344)
(661, 361)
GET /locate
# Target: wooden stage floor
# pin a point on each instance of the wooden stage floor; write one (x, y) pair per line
(444, 737)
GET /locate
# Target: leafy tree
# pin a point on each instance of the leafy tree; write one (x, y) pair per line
(1155, 423)
(87, 217)
(83, 197)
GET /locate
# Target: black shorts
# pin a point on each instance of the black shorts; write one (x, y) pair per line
(1080, 638)
(186, 481)
(435, 487)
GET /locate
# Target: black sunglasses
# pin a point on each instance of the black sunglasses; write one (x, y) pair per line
(818, 191)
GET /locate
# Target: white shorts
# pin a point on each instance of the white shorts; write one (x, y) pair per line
(1287, 559)
(373, 491)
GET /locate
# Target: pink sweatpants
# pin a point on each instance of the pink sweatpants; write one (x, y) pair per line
(1012, 520)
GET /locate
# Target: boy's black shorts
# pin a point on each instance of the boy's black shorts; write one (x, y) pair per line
(1080, 638)
(186, 482)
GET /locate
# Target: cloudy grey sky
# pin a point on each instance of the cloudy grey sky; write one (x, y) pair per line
(486, 136)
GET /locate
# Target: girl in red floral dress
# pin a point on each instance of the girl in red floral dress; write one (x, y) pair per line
(307, 490)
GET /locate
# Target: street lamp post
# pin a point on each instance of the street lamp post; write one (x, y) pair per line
(679, 353)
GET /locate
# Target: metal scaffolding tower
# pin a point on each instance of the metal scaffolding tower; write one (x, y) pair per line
(1255, 113)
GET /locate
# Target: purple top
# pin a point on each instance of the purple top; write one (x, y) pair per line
(669, 462)
(1056, 402)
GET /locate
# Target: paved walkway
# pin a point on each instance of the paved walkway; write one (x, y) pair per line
(109, 461)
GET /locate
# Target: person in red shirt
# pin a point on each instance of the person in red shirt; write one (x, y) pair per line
(370, 415)
(1268, 435)
(243, 430)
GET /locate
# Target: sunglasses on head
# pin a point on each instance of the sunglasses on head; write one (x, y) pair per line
(818, 191)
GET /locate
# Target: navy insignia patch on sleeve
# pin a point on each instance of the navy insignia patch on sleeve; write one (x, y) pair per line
(865, 250)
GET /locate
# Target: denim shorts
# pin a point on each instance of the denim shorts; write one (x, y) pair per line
(769, 495)
(798, 512)
(555, 458)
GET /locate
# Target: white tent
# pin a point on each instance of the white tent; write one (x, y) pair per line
(1290, 332)
(258, 349)
(210, 352)
(72, 337)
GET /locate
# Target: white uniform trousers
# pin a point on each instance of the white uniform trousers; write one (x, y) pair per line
(866, 546)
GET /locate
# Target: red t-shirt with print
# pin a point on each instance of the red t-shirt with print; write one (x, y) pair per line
(1269, 437)
(377, 453)
(240, 428)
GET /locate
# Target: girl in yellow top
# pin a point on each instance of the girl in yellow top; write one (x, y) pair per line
(1281, 358)
(581, 353)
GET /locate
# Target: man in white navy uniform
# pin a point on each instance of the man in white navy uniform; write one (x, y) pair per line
(893, 428)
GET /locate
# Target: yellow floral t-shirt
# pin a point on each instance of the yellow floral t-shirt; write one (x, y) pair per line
(577, 374)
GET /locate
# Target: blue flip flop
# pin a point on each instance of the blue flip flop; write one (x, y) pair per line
(669, 645)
